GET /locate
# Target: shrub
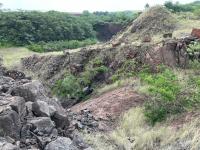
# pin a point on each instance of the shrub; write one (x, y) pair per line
(194, 47)
(90, 75)
(164, 89)
(69, 87)
(59, 45)
(125, 71)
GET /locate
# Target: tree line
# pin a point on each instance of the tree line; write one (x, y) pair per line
(190, 7)
(25, 27)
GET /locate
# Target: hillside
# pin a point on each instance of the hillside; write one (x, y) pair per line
(139, 90)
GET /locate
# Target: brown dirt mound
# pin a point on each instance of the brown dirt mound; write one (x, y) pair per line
(153, 21)
(111, 105)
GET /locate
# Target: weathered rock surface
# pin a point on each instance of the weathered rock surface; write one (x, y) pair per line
(5, 145)
(41, 109)
(61, 143)
(30, 91)
(30, 119)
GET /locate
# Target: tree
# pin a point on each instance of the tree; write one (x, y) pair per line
(147, 6)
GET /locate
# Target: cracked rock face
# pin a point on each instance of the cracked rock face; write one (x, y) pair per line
(29, 118)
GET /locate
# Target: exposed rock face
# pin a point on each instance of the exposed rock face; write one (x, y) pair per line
(30, 118)
(106, 30)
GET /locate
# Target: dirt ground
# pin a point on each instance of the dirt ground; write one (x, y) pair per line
(111, 105)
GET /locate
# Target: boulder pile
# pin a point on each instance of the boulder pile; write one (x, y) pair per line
(29, 119)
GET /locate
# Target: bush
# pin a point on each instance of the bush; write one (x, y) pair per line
(91, 74)
(164, 89)
(59, 45)
(193, 97)
(194, 47)
(69, 87)
(125, 71)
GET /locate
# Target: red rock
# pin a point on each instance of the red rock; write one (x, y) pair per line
(196, 33)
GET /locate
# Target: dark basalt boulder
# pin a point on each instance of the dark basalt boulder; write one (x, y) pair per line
(61, 143)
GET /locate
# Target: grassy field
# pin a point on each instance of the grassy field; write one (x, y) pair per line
(12, 56)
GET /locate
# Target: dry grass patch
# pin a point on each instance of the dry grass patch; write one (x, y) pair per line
(12, 56)
(134, 133)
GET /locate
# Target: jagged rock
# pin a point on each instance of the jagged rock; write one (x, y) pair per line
(52, 110)
(6, 83)
(40, 109)
(12, 111)
(42, 125)
(10, 123)
(14, 74)
(61, 143)
(60, 119)
(78, 141)
(29, 112)
(5, 145)
(18, 104)
(30, 117)
(32, 91)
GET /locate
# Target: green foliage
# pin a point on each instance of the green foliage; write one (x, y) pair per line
(25, 27)
(197, 12)
(193, 97)
(125, 71)
(113, 17)
(178, 7)
(59, 45)
(193, 48)
(195, 65)
(69, 87)
(164, 89)
(90, 74)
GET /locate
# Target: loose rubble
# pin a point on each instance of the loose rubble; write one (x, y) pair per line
(29, 119)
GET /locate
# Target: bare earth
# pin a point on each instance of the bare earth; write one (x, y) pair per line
(111, 105)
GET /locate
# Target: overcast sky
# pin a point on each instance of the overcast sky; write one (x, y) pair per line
(80, 5)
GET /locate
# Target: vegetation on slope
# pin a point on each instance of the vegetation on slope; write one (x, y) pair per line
(177, 7)
(27, 27)
(59, 45)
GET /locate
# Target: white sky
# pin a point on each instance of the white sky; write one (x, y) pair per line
(80, 5)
